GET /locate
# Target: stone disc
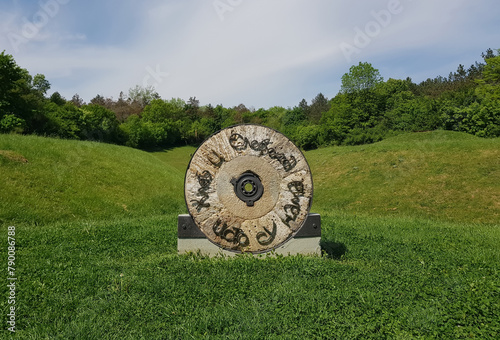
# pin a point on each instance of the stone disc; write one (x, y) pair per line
(248, 188)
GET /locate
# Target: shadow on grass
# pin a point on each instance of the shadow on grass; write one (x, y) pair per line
(333, 250)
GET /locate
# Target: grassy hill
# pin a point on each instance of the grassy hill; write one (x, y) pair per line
(442, 175)
(45, 180)
(410, 225)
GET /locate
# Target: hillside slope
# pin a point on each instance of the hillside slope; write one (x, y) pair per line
(45, 179)
(441, 174)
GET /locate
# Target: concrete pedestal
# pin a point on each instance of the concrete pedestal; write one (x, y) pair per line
(306, 241)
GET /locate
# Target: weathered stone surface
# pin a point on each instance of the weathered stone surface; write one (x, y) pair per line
(258, 224)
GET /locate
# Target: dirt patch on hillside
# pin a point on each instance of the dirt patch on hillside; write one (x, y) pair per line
(13, 156)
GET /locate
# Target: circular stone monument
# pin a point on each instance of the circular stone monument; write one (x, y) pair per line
(248, 188)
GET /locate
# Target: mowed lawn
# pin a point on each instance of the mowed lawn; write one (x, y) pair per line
(410, 233)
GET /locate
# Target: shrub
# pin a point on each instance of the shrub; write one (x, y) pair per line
(307, 137)
(13, 124)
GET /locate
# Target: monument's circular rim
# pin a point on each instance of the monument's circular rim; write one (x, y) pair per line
(296, 149)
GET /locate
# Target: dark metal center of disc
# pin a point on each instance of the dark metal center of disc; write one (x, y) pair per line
(248, 187)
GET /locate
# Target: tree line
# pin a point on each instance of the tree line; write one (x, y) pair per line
(365, 110)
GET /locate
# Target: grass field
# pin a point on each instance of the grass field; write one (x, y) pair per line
(410, 224)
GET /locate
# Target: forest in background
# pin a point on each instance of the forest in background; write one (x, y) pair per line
(365, 110)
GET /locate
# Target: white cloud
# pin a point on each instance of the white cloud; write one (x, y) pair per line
(262, 53)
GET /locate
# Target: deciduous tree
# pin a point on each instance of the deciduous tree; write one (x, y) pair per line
(360, 77)
(143, 95)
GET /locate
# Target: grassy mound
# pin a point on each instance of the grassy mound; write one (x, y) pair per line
(442, 175)
(46, 180)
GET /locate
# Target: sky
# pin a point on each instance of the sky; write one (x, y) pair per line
(260, 53)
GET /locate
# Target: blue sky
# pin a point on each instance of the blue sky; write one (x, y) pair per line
(260, 53)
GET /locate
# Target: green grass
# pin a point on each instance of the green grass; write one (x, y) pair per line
(178, 158)
(440, 175)
(409, 273)
(48, 180)
(400, 278)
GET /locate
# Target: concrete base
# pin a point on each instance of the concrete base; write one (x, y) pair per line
(304, 246)
(306, 242)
